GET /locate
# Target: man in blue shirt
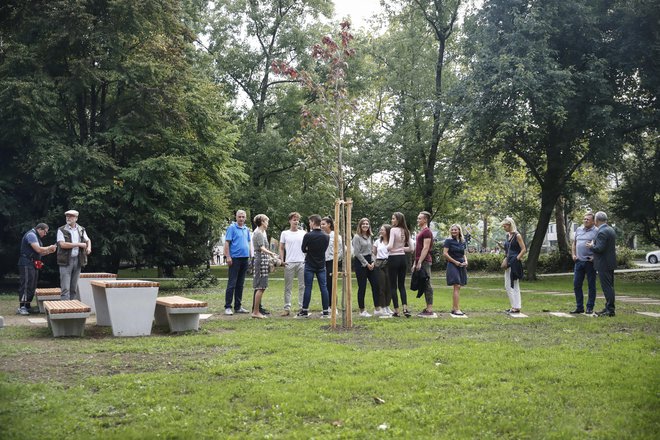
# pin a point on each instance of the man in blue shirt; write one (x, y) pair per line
(584, 264)
(31, 252)
(238, 253)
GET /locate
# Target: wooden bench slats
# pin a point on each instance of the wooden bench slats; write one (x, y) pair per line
(49, 291)
(68, 306)
(124, 284)
(98, 275)
(180, 302)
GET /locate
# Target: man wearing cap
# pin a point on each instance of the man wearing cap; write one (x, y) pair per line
(28, 262)
(73, 247)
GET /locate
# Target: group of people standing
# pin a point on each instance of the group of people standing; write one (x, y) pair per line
(382, 263)
(73, 246)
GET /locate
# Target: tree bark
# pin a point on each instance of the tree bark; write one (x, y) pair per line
(548, 200)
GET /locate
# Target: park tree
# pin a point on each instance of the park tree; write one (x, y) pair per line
(547, 86)
(637, 199)
(246, 37)
(105, 107)
(413, 104)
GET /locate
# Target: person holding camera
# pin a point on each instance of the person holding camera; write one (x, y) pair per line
(29, 262)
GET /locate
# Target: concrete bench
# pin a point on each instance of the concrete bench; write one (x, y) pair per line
(66, 318)
(179, 313)
(50, 294)
(127, 306)
(85, 286)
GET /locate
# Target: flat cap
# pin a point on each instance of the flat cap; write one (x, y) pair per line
(72, 212)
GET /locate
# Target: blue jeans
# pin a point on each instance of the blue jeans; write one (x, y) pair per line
(237, 272)
(583, 268)
(309, 279)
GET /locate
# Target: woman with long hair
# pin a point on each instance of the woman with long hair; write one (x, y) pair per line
(262, 257)
(363, 264)
(454, 253)
(381, 253)
(397, 265)
(514, 249)
(328, 226)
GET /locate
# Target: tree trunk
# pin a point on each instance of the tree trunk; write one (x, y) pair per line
(562, 236)
(548, 200)
(484, 239)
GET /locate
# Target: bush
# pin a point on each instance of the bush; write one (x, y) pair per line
(200, 277)
(625, 258)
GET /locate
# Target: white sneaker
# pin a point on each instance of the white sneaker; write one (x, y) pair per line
(365, 314)
(389, 311)
(380, 312)
(229, 311)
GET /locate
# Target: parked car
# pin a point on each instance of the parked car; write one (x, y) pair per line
(653, 257)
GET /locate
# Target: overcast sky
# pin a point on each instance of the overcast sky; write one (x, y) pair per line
(359, 10)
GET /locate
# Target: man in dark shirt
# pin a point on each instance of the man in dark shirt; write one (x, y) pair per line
(314, 244)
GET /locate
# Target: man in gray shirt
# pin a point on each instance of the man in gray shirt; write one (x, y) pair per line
(584, 264)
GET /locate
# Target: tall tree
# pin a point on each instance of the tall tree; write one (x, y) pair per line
(106, 107)
(547, 87)
(637, 199)
(246, 37)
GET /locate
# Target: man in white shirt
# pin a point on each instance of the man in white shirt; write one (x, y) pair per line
(293, 259)
(73, 247)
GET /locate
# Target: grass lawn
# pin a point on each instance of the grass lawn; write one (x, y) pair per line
(488, 377)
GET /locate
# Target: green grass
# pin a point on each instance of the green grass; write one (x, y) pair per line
(489, 376)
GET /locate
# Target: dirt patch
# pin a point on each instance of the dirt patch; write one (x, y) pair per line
(45, 365)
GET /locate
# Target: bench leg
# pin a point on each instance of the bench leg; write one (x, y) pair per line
(160, 315)
(182, 322)
(67, 327)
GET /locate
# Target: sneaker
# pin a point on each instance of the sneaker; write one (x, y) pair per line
(242, 310)
(22, 311)
(302, 314)
(264, 311)
(228, 311)
(407, 313)
(365, 314)
(457, 313)
(325, 314)
(286, 313)
(34, 310)
(389, 311)
(379, 312)
(395, 315)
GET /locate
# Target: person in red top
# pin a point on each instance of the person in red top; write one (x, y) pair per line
(423, 244)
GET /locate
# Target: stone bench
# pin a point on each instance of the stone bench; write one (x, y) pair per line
(50, 294)
(85, 286)
(179, 313)
(66, 318)
(127, 306)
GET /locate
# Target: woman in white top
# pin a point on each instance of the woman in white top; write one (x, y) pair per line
(381, 252)
(364, 264)
(397, 264)
(328, 226)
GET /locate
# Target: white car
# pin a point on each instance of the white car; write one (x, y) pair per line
(653, 257)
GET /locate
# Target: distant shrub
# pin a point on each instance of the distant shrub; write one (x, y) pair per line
(200, 277)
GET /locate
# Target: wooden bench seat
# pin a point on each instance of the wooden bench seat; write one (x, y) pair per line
(179, 313)
(47, 294)
(67, 318)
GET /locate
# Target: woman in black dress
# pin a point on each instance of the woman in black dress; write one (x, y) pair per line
(454, 252)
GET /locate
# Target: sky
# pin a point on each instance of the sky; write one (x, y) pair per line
(359, 10)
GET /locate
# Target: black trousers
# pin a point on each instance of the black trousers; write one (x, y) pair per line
(606, 278)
